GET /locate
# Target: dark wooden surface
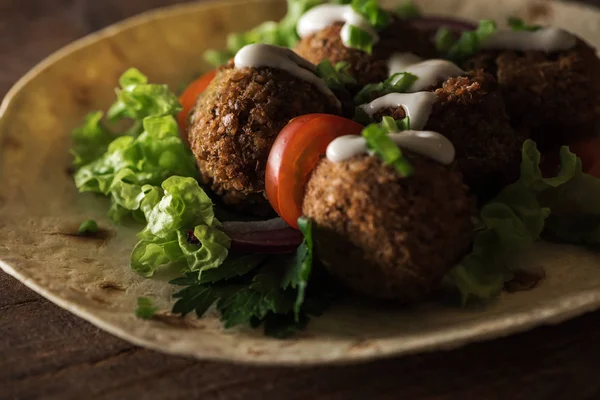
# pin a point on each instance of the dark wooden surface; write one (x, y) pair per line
(47, 353)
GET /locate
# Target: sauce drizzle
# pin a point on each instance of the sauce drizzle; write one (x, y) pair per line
(417, 106)
(429, 72)
(548, 39)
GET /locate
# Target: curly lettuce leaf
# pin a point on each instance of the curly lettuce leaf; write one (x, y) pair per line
(90, 140)
(512, 222)
(282, 33)
(183, 206)
(130, 163)
(138, 99)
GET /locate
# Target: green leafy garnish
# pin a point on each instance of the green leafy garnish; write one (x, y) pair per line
(129, 163)
(397, 83)
(145, 309)
(370, 10)
(386, 149)
(513, 221)
(90, 140)
(88, 227)
(299, 273)
(181, 211)
(517, 24)
(138, 99)
(279, 34)
(407, 10)
(359, 39)
(468, 43)
(335, 77)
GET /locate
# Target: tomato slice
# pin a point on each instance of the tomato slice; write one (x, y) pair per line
(188, 99)
(589, 152)
(296, 151)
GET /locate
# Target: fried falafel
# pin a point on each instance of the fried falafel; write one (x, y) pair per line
(384, 235)
(235, 121)
(556, 96)
(397, 37)
(469, 110)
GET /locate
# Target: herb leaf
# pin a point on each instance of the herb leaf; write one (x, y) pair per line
(370, 10)
(386, 149)
(145, 309)
(397, 83)
(359, 38)
(517, 24)
(335, 77)
(87, 227)
(407, 10)
(467, 44)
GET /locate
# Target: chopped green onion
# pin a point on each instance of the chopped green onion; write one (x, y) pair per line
(145, 309)
(408, 10)
(360, 39)
(386, 149)
(370, 10)
(336, 77)
(397, 83)
(87, 227)
(517, 24)
(469, 42)
(392, 125)
(444, 39)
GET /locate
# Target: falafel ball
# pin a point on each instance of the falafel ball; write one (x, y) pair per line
(556, 96)
(384, 235)
(235, 122)
(397, 37)
(470, 112)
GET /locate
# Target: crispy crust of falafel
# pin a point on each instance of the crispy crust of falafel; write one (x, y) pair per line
(235, 122)
(387, 236)
(398, 37)
(470, 112)
(556, 96)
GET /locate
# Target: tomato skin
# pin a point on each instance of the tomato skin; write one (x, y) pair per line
(296, 151)
(589, 152)
(188, 99)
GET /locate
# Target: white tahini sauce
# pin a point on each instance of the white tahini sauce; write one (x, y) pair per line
(548, 39)
(417, 106)
(426, 143)
(322, 16)
(429, 72)
(264, 55)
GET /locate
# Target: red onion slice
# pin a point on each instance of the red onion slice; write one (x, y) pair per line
(273, 236)
(432, 24)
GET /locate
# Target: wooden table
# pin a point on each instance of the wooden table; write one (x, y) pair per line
(48, 353)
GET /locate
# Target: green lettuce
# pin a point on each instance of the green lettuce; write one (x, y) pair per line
(130, 162)
(516, 218)
(138, 99)
(282, 33)
(173, 212)
(90, 140)
(517, 24)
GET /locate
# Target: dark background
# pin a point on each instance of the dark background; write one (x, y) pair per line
(47, 353)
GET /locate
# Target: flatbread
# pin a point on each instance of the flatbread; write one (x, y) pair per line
(40, 207)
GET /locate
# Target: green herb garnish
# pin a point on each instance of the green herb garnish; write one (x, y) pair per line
(407, 10)
(397, 83)
(145, 309)
(87, 227)
(282, 33)
(335, 77)
(386, 149)
(359, 39)
(370, 10)
(517, 24)
(299, 273)
(468, 43)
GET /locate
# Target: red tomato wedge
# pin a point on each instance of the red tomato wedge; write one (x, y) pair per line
(296, 151)
(589, 152)
(188, 99)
